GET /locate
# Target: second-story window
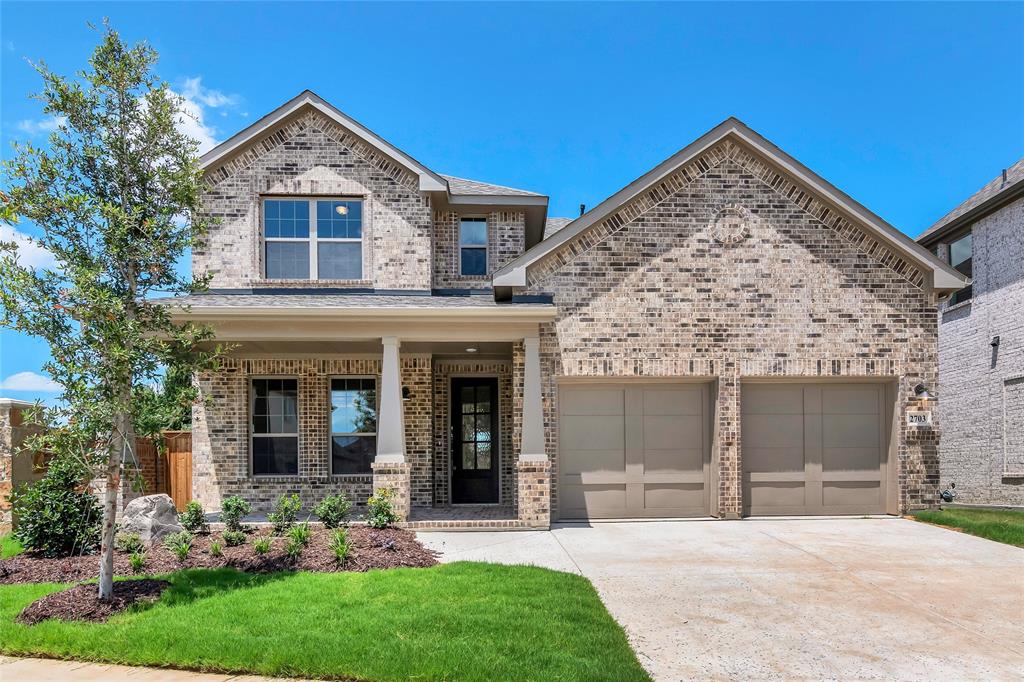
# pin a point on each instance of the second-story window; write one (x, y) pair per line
(473, 246)
(961, 255)
(313, 238)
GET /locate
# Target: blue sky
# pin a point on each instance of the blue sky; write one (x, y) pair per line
(909, 108)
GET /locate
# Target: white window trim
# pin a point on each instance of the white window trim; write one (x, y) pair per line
(330, 409)
(313, 237)
(298, 425)
(486, 247)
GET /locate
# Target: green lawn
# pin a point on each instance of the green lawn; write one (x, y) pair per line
(1001, 525)
(9, 546)
(463, 621)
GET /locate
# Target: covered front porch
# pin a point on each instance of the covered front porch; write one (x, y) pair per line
(441, 406)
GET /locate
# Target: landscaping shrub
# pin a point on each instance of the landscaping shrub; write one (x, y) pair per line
(193, 519)
(339, 545)
(179, 544)
(261, 545)
(232, 511)
(300, 533)
(215, 549)
(129, 543)
(233, 538)
(333, 510)
(138, 561)
(293, 550)
(57, 516)
(380, 512)
(285, 511)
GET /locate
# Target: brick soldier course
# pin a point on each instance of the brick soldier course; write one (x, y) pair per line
(734, 263)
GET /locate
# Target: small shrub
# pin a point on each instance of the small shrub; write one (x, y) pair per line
(57, 515)
(380, 512)
(232, 511)
(193, 519)
(215, 549)
(138, 561)
(285, 511)
(233, 538)
(300, 533)
(333, 510)
(129, 543)
(293, 550)
(261, 545)
(339, 546)
(179, 544)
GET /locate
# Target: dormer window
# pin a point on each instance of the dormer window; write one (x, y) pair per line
(313, 239)
(473, 247)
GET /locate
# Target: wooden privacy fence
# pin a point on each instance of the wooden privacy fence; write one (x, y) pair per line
(168, 472)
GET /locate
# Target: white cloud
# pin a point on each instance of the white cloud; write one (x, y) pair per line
(196, 100)
(30, 381)
(195, 91)
(30, 254)
(43, 126)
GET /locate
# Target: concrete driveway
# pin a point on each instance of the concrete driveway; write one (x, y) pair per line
(852, 598)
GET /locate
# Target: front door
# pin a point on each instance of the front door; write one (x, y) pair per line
(474, 440)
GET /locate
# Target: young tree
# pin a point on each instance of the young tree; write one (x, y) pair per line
(116, 195)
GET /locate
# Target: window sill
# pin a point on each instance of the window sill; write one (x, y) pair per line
(269, 283)
(958, 306)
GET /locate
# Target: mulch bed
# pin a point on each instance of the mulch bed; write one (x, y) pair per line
(369, 549)
(82, 602)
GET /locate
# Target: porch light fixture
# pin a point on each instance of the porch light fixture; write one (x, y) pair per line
(341, 209)
(471, 350)
(922, 393)
(406, 394)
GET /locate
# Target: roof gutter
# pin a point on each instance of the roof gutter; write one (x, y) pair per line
(990, 205)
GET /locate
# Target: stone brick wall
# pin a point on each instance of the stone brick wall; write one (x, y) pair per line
(220, 450)
(506, 239)
(312, 155)
(656, 291)
(981, 388)
(535, 493)
(17, 465)
(444, 370)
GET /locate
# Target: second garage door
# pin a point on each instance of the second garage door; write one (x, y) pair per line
(814, 448)
(630, 450)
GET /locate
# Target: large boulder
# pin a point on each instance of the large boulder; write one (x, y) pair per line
(152, 517)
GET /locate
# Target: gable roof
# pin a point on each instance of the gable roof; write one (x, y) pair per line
(945, 278)
(996, 193)
(429, 180)
(475, 187)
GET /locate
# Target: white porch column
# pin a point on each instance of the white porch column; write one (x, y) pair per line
(532, 448)
(390, 420)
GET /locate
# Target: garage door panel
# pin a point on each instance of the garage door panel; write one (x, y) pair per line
(672, 402)
(765, 496)
(851, 401)
(774, 430)
(850, 459)
(592, 402)
(632, 451)
(851, 493)
(850, 430)
(773, 399)
(667, 432)
(593, 433)
(773, 460)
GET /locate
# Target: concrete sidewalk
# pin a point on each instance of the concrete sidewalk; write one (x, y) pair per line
(45, 670)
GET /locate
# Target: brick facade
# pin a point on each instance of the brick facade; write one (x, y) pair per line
(506, 239)
(653, 292)
(981, 387)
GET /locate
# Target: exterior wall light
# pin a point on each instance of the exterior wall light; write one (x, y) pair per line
(922, 393)
(406, 394)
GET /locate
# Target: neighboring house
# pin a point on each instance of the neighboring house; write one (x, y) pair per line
(981, 343)
(728, 335)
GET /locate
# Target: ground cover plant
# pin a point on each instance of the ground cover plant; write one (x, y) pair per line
(463, 621)
(1001, 525)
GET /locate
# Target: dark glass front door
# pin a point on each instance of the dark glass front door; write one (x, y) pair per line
(474, 441)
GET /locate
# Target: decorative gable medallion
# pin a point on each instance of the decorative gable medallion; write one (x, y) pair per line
(732, 224)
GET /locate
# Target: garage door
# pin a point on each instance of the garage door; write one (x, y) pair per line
(629, 450)
(814, 448)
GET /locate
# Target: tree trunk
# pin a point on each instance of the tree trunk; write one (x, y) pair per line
(115, 459)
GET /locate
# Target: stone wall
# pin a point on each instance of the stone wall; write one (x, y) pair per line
(313, 156)
(664, 288)
(17, 465)
(220, 449)
(981, 388)
(506, 239)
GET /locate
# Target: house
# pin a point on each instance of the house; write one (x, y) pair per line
(981, 343)
(728, 335)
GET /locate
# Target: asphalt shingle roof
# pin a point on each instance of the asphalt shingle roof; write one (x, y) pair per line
(993, 188)
(554, 225)
(464, 186)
